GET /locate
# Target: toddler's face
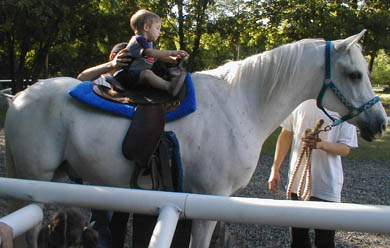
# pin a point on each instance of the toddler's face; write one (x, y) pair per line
(154, 31)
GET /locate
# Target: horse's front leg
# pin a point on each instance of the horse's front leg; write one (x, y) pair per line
(201, 233)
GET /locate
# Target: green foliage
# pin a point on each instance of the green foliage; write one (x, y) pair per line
(298, 19)
(381, 72)
(71, 33)
(75, 34)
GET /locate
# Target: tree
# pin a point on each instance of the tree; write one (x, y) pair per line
(30, 28)
(375, 15)
(381, 72)
(299, 19)
(62, 37)
(72, 32)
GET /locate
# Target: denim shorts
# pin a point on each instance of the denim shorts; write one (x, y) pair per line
(128, 78)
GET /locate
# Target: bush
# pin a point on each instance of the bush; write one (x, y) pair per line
(381, 70)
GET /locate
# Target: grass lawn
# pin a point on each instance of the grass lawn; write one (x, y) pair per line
(378, 149)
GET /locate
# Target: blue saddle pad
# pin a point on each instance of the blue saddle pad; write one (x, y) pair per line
(84, 93)
(174, 157)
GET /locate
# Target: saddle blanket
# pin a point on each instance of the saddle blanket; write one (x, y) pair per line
(85, 94)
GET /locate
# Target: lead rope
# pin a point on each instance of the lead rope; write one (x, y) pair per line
(306, 174)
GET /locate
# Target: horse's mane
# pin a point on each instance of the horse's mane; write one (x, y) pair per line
(275, 67)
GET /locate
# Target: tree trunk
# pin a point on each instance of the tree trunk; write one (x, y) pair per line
(46, 67)
(11, 59)
(372, 60)
(39, 63)
(202, 6)
(21, 71)
(181, 24)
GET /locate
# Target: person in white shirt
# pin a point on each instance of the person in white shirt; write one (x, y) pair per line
(326, 165)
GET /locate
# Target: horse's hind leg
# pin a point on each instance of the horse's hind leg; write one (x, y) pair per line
(30, 238)
(201, 233)
(14, 204)
(9, 161)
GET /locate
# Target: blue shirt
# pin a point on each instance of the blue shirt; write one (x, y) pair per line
(137, 46)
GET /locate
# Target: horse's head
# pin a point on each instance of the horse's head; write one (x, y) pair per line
(352, 93)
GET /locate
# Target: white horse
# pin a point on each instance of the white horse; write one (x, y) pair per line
(239, 105)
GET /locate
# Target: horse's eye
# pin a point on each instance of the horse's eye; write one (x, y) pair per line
(356, 75)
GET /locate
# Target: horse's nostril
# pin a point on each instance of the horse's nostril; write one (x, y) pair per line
(384, 125)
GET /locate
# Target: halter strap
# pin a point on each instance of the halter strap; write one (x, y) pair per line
(353, 111)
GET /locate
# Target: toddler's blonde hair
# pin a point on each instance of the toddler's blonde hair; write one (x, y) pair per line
(142, 17)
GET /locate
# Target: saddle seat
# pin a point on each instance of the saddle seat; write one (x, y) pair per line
(141, 95)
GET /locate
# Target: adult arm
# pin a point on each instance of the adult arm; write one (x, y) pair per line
(92, 73)
(346, 140)
(326, 146)
(283, 145)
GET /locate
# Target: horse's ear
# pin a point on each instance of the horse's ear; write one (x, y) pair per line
(347, 43)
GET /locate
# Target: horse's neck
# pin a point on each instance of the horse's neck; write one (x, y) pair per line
(283, 79)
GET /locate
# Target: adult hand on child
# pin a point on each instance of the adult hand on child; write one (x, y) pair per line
(122, 59)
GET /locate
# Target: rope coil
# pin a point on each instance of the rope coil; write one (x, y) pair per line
(306, 173)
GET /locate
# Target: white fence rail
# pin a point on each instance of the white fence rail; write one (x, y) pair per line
(10, 80)
(23, 219)
(170, 206)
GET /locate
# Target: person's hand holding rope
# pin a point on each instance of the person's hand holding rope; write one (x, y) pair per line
(312, 141)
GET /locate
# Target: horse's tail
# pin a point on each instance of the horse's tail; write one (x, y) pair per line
(9, 160)
(5, 101)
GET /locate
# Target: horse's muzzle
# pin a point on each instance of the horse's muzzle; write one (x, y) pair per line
(373, 129)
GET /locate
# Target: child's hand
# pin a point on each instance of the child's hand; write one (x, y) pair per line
(179, 54)
(182, 54)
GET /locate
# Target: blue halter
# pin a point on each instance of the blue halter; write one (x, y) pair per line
(353, 111)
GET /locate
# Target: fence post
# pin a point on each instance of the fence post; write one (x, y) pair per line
(165, 227)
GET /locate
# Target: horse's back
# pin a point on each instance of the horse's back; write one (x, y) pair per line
(34, 105)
